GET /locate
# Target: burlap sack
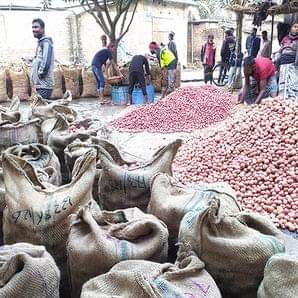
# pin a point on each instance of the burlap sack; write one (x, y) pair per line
(72, 76)
(57, 89)
(234, 248)
(77, 148)
(170, 200)
(60, 137)
(40, 157)
(107, 91)
(38, 214)
(156, 77)
(3, 89)
(111, 237)
(280, 277)
(20, 83)
(10, 114)
(125, 72)
(89, 83)
(120, 188)
(28, 271)
(18, 133)
(2, 202)
(139, 278)
(43, 110)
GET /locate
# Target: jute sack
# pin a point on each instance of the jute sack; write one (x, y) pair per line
(43, 110)
(11, 114)
(111, 237)
(2, 202)
(125, 72)
(156, 77)
(72, 76)
(77, 148)
(139, 278)
(20, 83)
(280, 277)
(170, 200)
(40, 157)
(28, 271)
(38, 214)
(18, 133)
(60, 137)
(57, 89)
(89, 83)
(3, 90)
(234, 248)
(120, 188)
(107, 91)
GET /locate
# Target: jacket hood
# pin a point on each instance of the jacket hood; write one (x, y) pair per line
(49, 39)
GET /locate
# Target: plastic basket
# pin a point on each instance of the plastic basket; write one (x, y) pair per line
(120, 95)
(138, 97)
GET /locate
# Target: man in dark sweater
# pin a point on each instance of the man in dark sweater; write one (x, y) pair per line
(100, 59)
(137, 76)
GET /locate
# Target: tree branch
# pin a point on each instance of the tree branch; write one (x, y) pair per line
(131, 19)
(107, 12)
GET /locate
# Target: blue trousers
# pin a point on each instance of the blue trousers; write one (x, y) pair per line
(100, 81)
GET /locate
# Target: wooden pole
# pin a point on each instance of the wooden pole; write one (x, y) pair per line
(272, 29)
(239, 21)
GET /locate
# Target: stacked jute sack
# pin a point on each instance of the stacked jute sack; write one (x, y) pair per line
(79, 80)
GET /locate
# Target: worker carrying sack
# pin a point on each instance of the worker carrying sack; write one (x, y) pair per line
(111, 237)
(40, 157)
(170, 200)
(234, 248)
(38, 214)
(121, 188)
(28, 270)
(280, 277)
(139, 278)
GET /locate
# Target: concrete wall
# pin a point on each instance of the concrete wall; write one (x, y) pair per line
(16, 39)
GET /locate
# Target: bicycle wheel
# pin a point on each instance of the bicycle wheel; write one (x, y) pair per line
(220, 75)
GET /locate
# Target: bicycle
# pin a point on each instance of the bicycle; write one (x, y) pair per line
(220, 74)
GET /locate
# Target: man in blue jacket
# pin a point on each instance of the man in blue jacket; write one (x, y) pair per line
(43, 62)
(253, 43)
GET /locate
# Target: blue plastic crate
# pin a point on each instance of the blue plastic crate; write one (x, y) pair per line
(119, 95)
(138, 97)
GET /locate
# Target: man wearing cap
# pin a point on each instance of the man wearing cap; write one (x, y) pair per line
(168, 62)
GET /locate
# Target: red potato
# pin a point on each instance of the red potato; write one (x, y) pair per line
(257, 155)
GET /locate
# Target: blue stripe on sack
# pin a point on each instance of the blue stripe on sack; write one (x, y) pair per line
(276, 245)
(166, 290)
(124, 247)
